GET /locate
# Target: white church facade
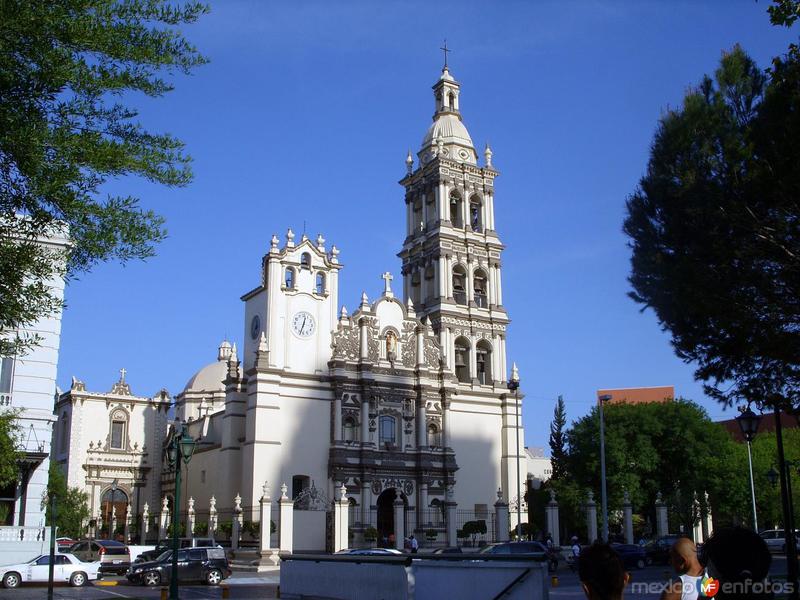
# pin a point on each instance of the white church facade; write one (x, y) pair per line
(404, 400)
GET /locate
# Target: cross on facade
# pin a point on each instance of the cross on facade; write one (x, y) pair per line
(122, 372)
(445, 49)
(387, 283)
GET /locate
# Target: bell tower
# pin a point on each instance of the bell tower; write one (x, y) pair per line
(452, 254)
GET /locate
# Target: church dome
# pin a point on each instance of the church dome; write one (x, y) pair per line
(451, 129)
(210, 378)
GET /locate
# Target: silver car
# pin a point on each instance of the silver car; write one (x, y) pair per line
(775, 540)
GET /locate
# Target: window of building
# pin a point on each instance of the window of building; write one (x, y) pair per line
(320, 283)
(455, 211)
(459, 285)
(479, 285)
(462, 359)
(118, 434)
(476, 214)
(289, 278)
(388, 430)
(305, 260)
(433, 436)
(349, 429)
(300, 483)
(483, 362)
(418, 224)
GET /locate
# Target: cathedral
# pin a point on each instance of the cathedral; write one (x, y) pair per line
(403, 400)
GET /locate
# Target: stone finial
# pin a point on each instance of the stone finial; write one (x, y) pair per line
(514, 372)
(552, 495)
(146, 510)
(439, 144)
(289, 238)
(262, 343)
(487, 153)
(409, 163)
(590, 497)
(626, 497)
(224, 352)
(234, 355)
(387, 284)
(334, 254)
(237, 501)
(343, 493)
(303, 237)
(273, 243)
(659, 499)
(164, 505)
(410, 306)
(265, 491)
(343, 312)
(284, 489)
(499, 495)
(320, 243)
(213, 503)
(191, 503)
(364, 299)
(77, 385)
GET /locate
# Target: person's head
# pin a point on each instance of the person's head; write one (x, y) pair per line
(683, 556)
(601, 572)
(738, 556)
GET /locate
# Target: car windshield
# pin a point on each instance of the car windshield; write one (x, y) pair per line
(33, 562)
(164, 555)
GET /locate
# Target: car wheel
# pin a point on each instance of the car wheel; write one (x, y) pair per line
(151, 578)
(640, 564)
(11, 580)
(78, 579)
(214, 577)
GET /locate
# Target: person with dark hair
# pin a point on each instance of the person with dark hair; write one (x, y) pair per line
(601, 572)
(738, 558)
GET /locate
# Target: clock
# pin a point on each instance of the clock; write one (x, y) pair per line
(303, 324)
(255, 327)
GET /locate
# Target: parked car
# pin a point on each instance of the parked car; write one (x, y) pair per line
(64, 543)
(534, 550)
(372, 552)
(657, 551)
(67, 567)
(449, 550)
(114, 557)
(775, 540)
(166, 544)
(207, 564)
(632, 555)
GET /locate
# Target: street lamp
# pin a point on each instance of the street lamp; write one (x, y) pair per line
(114, 485)
(603, 495)
(748, 422)
(513, 385)
(179, 450)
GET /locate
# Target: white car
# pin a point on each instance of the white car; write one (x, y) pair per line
(67, 568)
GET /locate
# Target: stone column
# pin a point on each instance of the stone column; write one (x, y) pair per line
(236, 523)
(446, 423)
(286, 507)
(422, 428)
(662, 526)
(502, 525)
(452, 527)
(212, 517)
(265, 527)
(164, 519)
(365, 421)
(127, 524)
(366, 502)
(145, 523)
(422, 506)
(627, 518)
(399, 523)
(341, 524)
(363, 339)
(190, 518)
(420, 346)
(591, 519)
(551, 513)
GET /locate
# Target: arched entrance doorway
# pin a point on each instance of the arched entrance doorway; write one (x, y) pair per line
(386, 525)
(113, 499)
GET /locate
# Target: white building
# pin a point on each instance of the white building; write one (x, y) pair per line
(403, 401)
(28, 383)
(539, 466)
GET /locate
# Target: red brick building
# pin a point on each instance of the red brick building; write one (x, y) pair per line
(638, 395)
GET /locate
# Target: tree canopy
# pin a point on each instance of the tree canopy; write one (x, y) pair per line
(68, 71)
(558, 450)
(72, 504)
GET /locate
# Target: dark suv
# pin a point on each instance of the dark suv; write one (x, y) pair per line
(166, 544)
(194, 564)
(535, 550)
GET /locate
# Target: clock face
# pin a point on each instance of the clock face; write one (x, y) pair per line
(303, 324)
(255, 327)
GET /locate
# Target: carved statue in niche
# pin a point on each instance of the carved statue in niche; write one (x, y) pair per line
(391, 346)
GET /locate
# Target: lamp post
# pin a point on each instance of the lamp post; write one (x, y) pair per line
(114, 485)
(603, 495)
(748, 422)
(179, 450)
(513, 385)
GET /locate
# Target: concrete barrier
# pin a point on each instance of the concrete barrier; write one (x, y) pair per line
(353, 577)
(20, 544)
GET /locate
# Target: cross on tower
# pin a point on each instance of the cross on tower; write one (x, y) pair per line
(445, 49)
(122, 372)
(387, 284)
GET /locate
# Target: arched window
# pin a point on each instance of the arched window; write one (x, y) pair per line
(433, 436)
(349, 429)
(387, 430)
(462, 359)
(455, 211)
(320, 283)
(483, 362)
(289, 278)
(118, 436)
(476, 214)
(479, 285)
(459, 285)
(451, 100)
(305, 260)
(418, 223)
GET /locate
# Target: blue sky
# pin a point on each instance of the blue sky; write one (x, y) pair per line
(305, 114)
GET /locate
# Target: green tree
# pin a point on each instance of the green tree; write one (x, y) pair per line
(72, 504)
(715, 230)
(68, 72)
(558, 450)
(9, 447)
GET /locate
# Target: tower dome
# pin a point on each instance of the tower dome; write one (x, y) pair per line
(447, 136)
